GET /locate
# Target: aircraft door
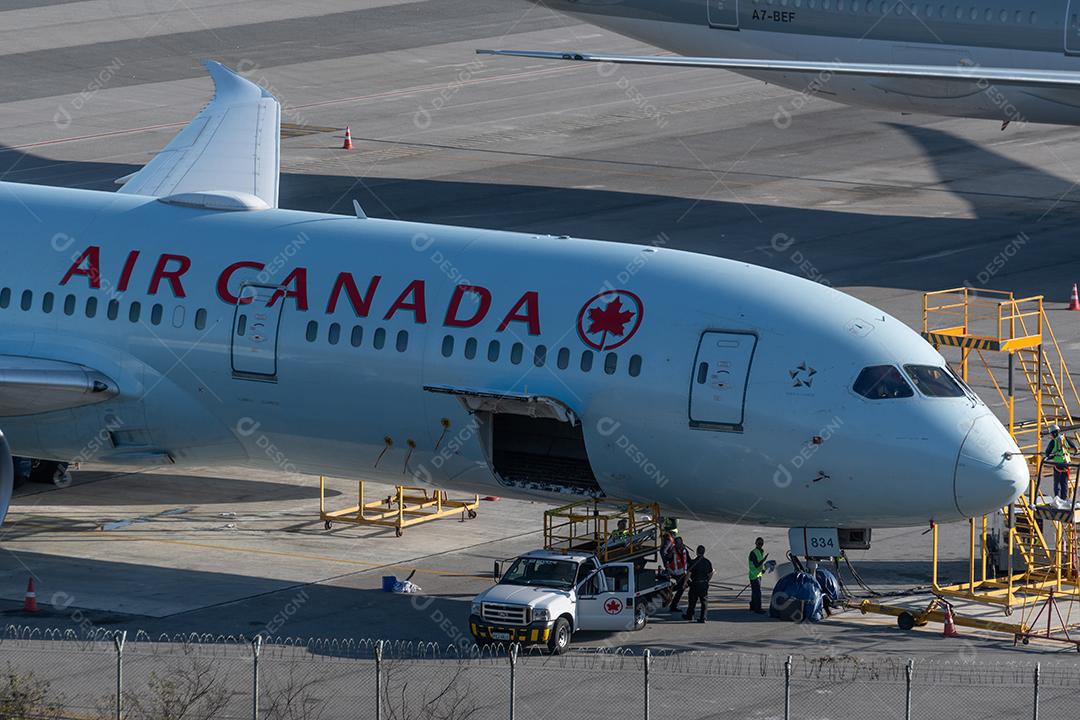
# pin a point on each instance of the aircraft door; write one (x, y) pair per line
(721, 373)
(255, 332)
(1072, 28)
(723, 14)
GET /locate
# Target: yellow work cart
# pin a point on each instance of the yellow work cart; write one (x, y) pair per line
(407, 506)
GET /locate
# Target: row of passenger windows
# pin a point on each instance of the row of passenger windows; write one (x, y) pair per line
(540, 356)
(471, 347)
(927, 10)
(885, 382)
(90, 308)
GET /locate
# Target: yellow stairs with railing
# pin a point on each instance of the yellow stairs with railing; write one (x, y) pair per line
(979, 321)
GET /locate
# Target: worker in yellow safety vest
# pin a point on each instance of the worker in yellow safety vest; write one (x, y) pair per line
(756, 570)
(1058, 454)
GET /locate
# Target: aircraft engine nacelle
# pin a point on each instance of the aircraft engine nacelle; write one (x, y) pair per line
(7, 476)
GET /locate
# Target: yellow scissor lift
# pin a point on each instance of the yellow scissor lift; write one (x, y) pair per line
(407, 506)
(983, 324)
(590, 526)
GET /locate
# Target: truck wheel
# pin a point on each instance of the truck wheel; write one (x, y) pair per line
(641, 616)
(559, 640)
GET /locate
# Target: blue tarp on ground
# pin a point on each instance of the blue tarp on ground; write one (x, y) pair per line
(829, 585)
(797, 598)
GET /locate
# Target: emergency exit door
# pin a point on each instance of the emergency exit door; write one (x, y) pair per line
(256, 324)
(721, 374)
(1072, 28)
(723, 14)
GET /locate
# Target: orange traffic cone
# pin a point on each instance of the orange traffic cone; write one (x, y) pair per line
(348, 139)
(1074, 301)
(950, 624)
(30, 603)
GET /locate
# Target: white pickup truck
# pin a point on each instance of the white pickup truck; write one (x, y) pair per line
(545, 597)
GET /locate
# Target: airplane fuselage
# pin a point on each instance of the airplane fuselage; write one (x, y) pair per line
(306, 343)
(1039, 35)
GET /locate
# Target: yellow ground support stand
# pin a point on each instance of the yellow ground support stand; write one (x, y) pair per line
(407, 506)
(588, 526)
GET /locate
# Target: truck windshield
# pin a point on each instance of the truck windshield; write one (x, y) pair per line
(540, 571)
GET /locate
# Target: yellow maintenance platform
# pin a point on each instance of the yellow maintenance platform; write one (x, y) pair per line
(406, 507)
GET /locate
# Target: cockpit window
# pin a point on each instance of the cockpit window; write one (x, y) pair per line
(881, 382)
(934, 381)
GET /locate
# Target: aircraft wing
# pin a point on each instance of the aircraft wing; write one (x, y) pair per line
(33, 385)
(232, 146)
(1060, 79)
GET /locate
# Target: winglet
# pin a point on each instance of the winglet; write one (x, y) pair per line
(231, 85)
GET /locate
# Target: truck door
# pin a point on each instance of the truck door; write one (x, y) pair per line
(606, 599)
(1072, 28)
(721, 373)
(255, 332)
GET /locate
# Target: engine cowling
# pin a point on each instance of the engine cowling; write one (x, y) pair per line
(7, 476)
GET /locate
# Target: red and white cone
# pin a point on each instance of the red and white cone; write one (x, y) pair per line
(950, 624)
(30, 603)
(348, 139)
(1074, 301)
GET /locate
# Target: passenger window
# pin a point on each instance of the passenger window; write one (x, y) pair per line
(635, 365)
(611, 363)
(133, 312)
(448, 346)
(470, 348)
(493, 351)
(933, 381)
(155, 314)
(241, 325)
(5, 298)
(540, 356)
(563, 360)
(617, 578)
(334, 333)
(516, 352)
(402, 343)
(200, 318)
(591, 587)
(47, 302)
(702, 373)
(27, 300)
(178, 316)
(91, 307)
(113, 311)
(586, 361)
(357, 336)
(380, 338)
(882, 382)
(312, 332)
(69, 305)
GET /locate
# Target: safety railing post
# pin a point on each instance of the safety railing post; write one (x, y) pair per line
(1035, 707)
(118, 641)
(513, 677)
(256, 650)
(646, 658)
(907, 692)
(378, 679)
(787, 688)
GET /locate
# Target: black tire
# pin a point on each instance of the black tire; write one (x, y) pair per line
(641, 616)
(43, 471)
(472, 514)
(327, 525)
(905, 620)
(559, 640)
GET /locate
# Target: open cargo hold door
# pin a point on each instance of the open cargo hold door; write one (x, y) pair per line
(534, 442)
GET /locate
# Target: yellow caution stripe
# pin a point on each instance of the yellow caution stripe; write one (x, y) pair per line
(485, 632)
(962, 341)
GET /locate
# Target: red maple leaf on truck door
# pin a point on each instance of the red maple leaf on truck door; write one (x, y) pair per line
(612, 319)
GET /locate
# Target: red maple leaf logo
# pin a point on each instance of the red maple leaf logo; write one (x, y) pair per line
(613, 606)
(612, 319)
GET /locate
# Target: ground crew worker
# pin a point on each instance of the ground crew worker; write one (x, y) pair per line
(701, 572)
(677, 563)
(671, 525)
(757, 569)
(621, 533)
(1058, 453)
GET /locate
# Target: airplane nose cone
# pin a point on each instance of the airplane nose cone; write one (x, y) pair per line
(990, 471)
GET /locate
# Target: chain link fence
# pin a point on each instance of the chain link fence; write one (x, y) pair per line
(55, 675)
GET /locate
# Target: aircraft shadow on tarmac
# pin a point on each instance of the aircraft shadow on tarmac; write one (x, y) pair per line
(844, 248)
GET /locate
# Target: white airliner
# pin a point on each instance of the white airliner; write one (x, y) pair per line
(1012, 60)
(187, 319)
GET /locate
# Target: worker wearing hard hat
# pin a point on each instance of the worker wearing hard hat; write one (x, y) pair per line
(1058, 453)
(757, 569)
